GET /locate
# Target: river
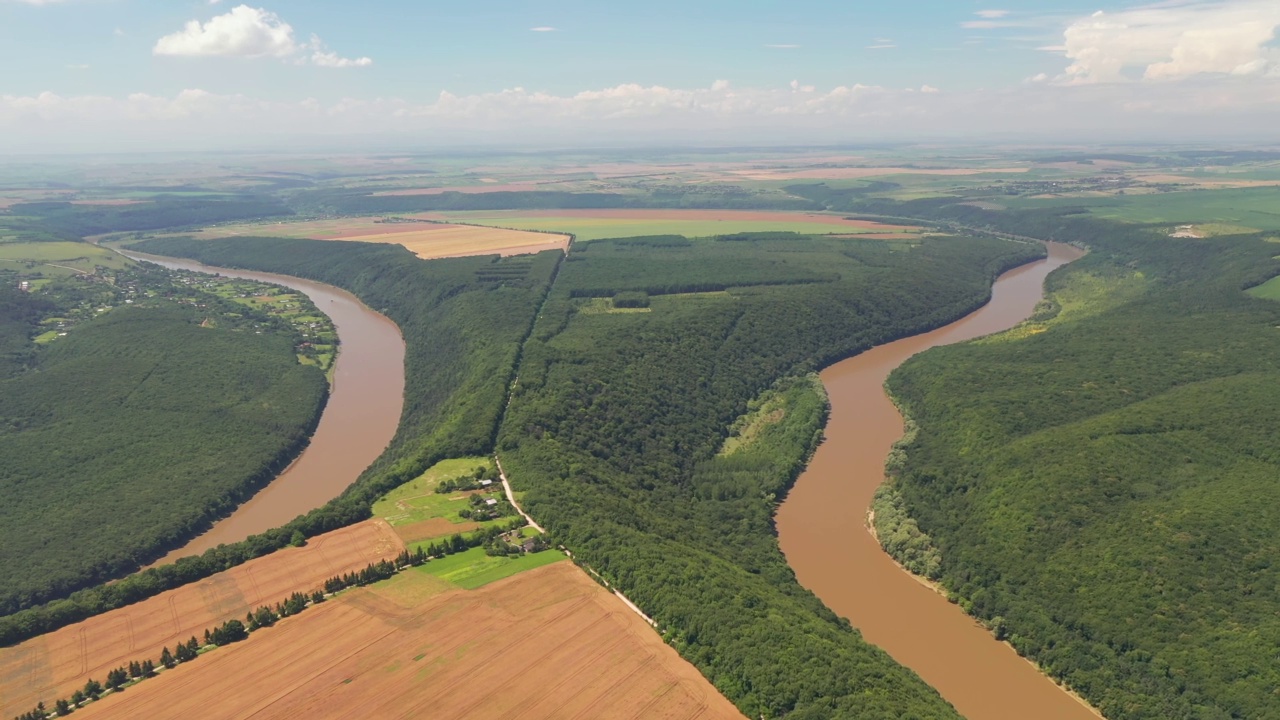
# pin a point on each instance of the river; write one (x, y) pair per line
(983, 678)
(358, 422)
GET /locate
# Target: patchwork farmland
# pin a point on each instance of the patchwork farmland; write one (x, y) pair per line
(56, 664)
(548, 643)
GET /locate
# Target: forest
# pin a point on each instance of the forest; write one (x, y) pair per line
(361, 202)
(617, 430)
(129, 435)
(1099, 487)
(463, 321)
(63, 220)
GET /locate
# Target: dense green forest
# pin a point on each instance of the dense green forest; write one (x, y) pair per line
(463, 321)
(127, 436)
(64, 220)
(361, 202)
(1099, 486)
(617, 424)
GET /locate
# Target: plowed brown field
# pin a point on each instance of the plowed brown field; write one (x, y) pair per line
(424, 239)
(547, 643)
(52, 666)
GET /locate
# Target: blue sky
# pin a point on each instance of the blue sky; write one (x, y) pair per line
(554, 63)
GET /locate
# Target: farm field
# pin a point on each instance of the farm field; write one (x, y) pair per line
(58, 258)
(1244, 209)
(424, 238)
(52, 666)
(598, 224)
(548, 643)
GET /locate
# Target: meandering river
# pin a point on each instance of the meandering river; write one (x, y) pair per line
(984, 679)
(358, 422)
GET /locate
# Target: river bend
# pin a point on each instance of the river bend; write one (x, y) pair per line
(358, 421)
(827, 508)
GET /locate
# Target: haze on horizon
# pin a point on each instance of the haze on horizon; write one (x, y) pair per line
(139, 75)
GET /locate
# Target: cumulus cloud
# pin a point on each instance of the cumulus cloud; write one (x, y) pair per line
(1174, 41)
(249, 33)
(543, 28)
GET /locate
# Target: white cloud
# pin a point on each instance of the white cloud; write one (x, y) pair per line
(781, 46)
(633, 114)
(1174, 41)
(929, 89)
(39, 2)
(242, 32)
(991, 14)
(250, 33)
(886, 46)
(543, 28)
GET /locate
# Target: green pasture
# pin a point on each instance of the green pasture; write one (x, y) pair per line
(58, 258)
(417, 500)
(473, 569)
(587, 229)
(1269, 290)
(1256, 208)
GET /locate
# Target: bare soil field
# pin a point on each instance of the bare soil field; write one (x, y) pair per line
(52, 666)
(547, 643)
(432, 529)
(425, 239)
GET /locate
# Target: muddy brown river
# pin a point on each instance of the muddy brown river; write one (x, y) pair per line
(358, 422)
(984, 679)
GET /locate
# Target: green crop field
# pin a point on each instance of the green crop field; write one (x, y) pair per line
(585, 228)
(1257, 208)
(473, 568)
(1269, 290)
(58, 258)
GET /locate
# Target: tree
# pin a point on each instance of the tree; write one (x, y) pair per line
(77, 698)
(62, 708)
(116, 678)
(148, 668)
(167, 659)
(93, 689)
(298, 539)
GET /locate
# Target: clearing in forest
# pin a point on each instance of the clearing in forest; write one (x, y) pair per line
(548, 643)
(598, 224)
(54, 665)
(425, 238)
(417, 512)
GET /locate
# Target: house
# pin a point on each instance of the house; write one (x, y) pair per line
(490, 502)
(486, 483)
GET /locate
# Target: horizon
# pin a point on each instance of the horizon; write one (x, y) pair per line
(114, 77)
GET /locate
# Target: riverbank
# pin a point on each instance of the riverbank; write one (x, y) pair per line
(358, 422)
(982, 677)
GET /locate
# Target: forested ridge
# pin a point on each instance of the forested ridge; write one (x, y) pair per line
(1101, 483)
(131, 433)
(463, 321)
(618, 419)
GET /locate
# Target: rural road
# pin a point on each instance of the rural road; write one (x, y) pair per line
(511, 498)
